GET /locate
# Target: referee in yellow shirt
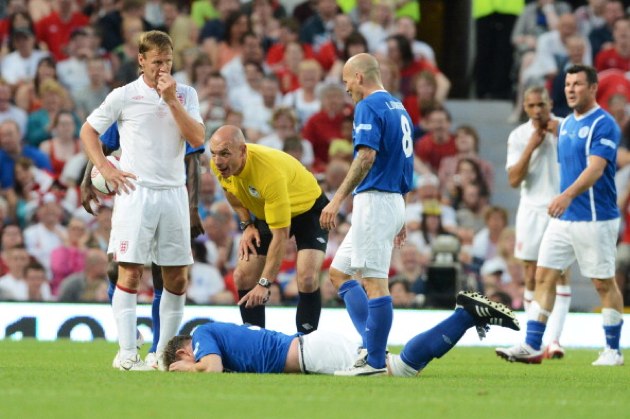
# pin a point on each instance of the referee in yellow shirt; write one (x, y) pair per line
(275, 197)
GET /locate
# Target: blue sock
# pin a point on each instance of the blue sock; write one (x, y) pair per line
(110, 291)
(437, 341)
(377, 327)
(535, 332)
(613, 334)
(155, 318)
(356, 301)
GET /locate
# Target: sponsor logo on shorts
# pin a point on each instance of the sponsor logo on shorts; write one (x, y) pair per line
(124, 245)
(321, 240)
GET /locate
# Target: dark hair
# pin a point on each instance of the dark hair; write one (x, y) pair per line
(470, 130)
(591, 73)
(437, 108)
(170, 352)
(355, 38)
(201, 60)
(11, 27)
(34, 266)
(291, 24)
(46, 60)
(404, 46)
(484, 191)
(230, 21)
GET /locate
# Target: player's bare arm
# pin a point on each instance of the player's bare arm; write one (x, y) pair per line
(259, 294)
(191, 129)
(209, 363)
(360, 167)
(192, 185)
(92, 146)
(88, 193)
(250, 237)
(594, 170)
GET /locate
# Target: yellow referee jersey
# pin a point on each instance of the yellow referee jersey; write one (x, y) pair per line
(273, 185)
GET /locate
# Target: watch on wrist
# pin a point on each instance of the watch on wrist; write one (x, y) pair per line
(244, 224)
(264, 282)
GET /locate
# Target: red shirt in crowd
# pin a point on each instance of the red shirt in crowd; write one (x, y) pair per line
(321, 129)
(56, 33)
(407, 74)
(610, 58)
(432, 153)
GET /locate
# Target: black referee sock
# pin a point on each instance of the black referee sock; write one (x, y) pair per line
(254, 316)
(308, 310)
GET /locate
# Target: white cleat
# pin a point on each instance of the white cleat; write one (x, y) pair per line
(139, 343)
(154, 360)
(151, 360)
(362, 368)
(521, 353)
(135, 364)
(609, 357)
(554, 351)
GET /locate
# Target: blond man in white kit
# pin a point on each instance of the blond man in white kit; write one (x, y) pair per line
(532, 165)
(151, 222)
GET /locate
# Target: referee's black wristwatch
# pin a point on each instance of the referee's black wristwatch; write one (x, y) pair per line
(244, 224)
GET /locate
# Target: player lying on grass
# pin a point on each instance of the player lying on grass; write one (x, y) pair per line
(219, 347)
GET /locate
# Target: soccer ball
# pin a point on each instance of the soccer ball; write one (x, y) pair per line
(98, 181)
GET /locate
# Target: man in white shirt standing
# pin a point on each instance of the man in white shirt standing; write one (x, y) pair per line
(21, 64)
(532, 165)
(151, 221)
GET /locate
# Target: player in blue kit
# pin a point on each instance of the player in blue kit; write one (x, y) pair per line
(585, 219)
(379, 177)
(111, 142)
(219, 347)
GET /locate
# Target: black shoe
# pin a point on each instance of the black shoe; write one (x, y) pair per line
(486, 311)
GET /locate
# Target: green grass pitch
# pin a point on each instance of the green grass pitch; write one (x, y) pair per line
(66, 379)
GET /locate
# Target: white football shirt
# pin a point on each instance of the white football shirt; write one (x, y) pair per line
(152, 146)
(542, 182)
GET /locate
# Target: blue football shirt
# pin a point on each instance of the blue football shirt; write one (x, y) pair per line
(593, 134)
(242, 348)
(111, 139)
(382, 123)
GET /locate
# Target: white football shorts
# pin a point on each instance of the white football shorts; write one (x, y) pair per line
(531, 223)
(324, 352)
(592, 243)
(377, 217)
(151, 225)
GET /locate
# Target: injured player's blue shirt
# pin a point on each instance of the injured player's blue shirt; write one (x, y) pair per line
(242, 348)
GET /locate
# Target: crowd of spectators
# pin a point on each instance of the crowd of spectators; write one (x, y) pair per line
(276, 73)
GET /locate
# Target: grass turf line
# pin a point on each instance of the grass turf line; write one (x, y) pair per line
(66, 379)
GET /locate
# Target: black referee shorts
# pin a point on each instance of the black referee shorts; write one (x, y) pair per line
(305, 227)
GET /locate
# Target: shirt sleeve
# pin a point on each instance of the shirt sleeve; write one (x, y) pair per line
(102, 117)
(192, 105)
(605, 140)
(204, 343)
(514, 150)
(367, 127)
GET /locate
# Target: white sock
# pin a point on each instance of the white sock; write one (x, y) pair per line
(528, 297)
(611, 317)
(171, 313)
(535, 310)
(124, 307)
(559, 312)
